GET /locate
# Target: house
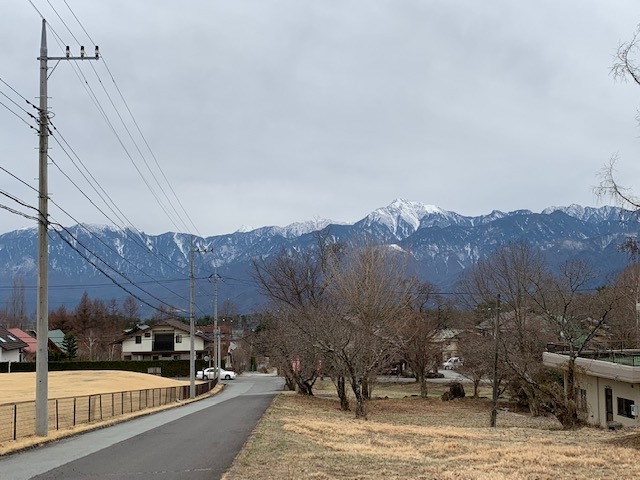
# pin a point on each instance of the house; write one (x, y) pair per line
(28, 352)
(447, 339)
(167, 340)
(56, 340)
(608, 385)
(10, 346)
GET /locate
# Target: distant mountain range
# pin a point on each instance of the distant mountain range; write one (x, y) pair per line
(441, 243)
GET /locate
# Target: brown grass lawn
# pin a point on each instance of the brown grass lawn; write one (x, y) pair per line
(409, 437)
(405, 437)
(19, 387)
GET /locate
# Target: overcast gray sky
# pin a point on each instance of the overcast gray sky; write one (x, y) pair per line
(268, 112)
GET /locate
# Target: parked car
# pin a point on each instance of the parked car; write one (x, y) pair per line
(452, 363)
(210, 374)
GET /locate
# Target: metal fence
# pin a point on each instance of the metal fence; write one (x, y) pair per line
(18, 420)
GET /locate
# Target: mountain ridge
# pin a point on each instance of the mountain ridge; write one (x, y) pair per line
(442, 244)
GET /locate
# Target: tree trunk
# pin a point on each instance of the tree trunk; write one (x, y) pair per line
(361, 410)
(289, 382)
(420, 377)
(533, 401)
(476, 387)
(366, 391)
(342, 393)
(305, 387)
(571, 406)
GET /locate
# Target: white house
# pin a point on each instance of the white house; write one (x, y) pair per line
(608, 385)
(168, 340)
(10, 346)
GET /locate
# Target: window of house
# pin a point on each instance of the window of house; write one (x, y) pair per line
(155, 357)
(138, 339)
(3, 340)
(624, 407)
(178, 338)
(147, 334)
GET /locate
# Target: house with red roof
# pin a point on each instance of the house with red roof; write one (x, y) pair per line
(28, 352)
(10, 346)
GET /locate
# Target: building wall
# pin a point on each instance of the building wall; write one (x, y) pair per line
(596, 402)
(10, 355)
(143, 350)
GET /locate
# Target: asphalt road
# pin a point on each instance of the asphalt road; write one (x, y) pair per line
(196, 441)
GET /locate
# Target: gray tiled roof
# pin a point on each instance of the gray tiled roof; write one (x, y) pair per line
(8, 341)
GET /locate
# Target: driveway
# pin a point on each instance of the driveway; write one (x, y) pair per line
(196, 441)
(449, 376)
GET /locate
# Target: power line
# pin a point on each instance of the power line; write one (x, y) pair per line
(126, 128)
(17, 212)
(137, 126)
(101, 270)
(17, 115)
(105, 116)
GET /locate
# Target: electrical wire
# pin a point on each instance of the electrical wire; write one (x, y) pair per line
(119, 139)
(17, 115)
(96, 101)
(135, 123)
(103, 271)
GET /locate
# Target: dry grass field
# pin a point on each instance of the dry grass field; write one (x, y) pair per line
(20, 387)
(413, 438)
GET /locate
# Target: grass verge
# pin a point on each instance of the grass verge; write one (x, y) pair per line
(410, 437)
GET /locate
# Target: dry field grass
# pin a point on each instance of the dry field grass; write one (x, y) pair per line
(309, 438)
(19, 387)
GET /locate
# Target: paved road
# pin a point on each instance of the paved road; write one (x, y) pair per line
(196, 441)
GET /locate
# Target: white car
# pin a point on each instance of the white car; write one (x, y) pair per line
(210, 374)
(452, 363)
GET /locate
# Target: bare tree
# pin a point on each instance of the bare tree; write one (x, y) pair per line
(477, 350)
(296, 284)
(370, 298)
(130, 311)
(513, 271)
(576, 315)
(625, 324)
(417, 346)
(16, 314)
(625, 68)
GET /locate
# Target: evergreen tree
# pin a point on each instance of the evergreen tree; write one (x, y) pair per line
(70, 346)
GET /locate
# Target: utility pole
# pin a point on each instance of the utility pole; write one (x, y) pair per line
(192, 330)
(496, 345)
(42, 309)
(216, 333)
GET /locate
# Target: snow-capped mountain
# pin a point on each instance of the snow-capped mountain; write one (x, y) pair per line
(441, 244)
